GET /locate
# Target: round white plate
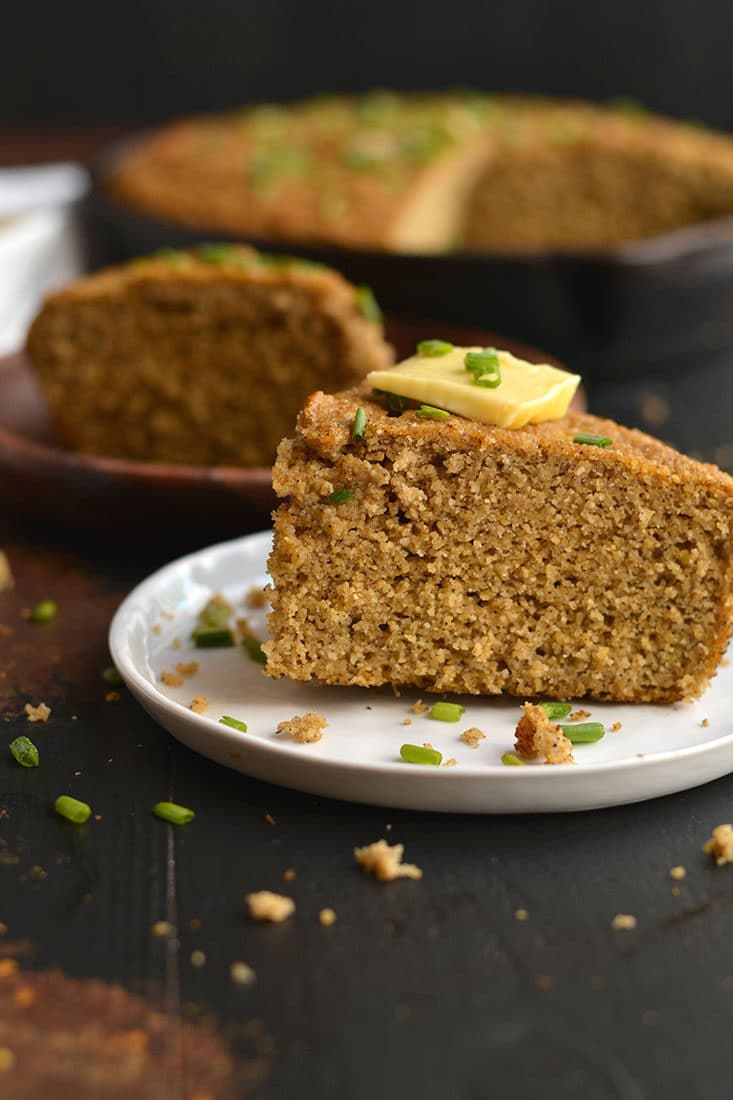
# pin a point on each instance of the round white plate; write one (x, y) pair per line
(658, 750)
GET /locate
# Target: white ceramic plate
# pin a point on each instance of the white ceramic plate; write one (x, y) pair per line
(659, 749)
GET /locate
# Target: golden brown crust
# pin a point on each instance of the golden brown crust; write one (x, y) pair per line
(537, 736)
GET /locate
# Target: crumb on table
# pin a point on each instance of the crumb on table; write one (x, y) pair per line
(384, 861)
(473, 736)
(677, 872)
(521, 914)
(289, 874)
(420, 708)
(161, 929)
(327, 917)
(199, 704)
(305, 729)
(270, 819)
(720, 845)
(172, 679)
(242, 974)
(112, 697)
(537, 736)
(623, 922)
(41, 713)
(266, 906)
(256, 598)
(187, 668)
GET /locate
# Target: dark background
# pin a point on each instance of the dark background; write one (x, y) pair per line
(92, 61)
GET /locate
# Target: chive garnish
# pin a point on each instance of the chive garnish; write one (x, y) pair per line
(396, 405)
(226, 720)
(416, 754)
(512, 761)
(72, 809)
(357, 431)
(205, 638)
(25, 752)
(213, 252)
(557, 710)
(592, 440)
(171, 811)
(485, 367)
(447, 712)
(111, 675)
(44, 612)
(431, 413)
(432, 349)
(368, 304)
(341, 496)
(583, 732)
(253, 647)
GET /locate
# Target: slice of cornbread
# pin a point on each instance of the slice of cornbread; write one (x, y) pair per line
(200, 357)
(470, 558)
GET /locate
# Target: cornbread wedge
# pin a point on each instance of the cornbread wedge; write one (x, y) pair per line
(470, 558)
(200, 357)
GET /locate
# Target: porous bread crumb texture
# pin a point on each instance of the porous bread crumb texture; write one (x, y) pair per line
(579, 715)
(623, 922)
(265, 906)
(201, 363)
(384, 861)
(419, 707)
(480, 560)
(199, 704)
(473, 737)
(537, 736)
(304, 728)
(720, 845)
(41, 713)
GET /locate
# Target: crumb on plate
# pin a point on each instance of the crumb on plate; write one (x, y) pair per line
(384, 861)
(579, 715)
(305, 729)
(616, 727)
(172, 679)
(537, 736)
(199, 704)
(187, 668)
(705, 722)
(451, 763)
(420, 708)
(256, 598)
(473, 736)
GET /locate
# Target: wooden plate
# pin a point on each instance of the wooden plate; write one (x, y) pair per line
(146, 501)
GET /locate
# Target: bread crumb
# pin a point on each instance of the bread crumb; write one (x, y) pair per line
(705, 722)
(8, 967)
(7, 1059)
(112, 697)
(6, 574)
(41, 713)
(407, 721)
(678, 872)
(198, 958)
(676, 891)
(194, 924)
(537, 736)
(256, 598)
(162, 928)
(473, 736)
(623, 922)
(289, 874)
(242, 974)
(177, 643)
(420, 708)
(545, 982)
(199, 704)
(521, 914)
(426, 745)
(305, 729)
(269, 819)
(157, 628)
(384, 861)
(579, 715)
(172, 679)
(615, 727)
(187, 668)
(720, 845)
(327, 917)
(266, 906)
(450, 763)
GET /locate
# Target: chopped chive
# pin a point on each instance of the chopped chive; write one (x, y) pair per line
(432, 349)
(25, 752)
(357, 431)
(512, 761)
(234, 723)
(171, 811)
(557, 710)
(485, 367)
(431, 413)
(447, 712)
(341, 496)
(44, 612)
(583, 732)
(72, 809)
(367, 304)
(111, 675)
(254, 649)
(396, 405)
(416, 754)
(592, 440)
(212, 639)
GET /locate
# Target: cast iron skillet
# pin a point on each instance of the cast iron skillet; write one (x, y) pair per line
(636, 308)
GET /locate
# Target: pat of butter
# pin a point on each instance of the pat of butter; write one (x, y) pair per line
(528, 394)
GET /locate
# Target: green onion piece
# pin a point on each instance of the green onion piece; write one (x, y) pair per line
(171, 811)
(416, 754)
(557, 710)
(341, 496)
(512, 761)
(111, 675)
(72, 809)
(25, 752)
(592, 440)
(234, 723)
(431, 413)
(214, 252)
(447, 712)
(44, 611)
(432, 349)
(485, 367)
(254, 649)
(367, 304)
(357, 431)
(396, 405)
(583, 732)
(212, 639)
(488, 381)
